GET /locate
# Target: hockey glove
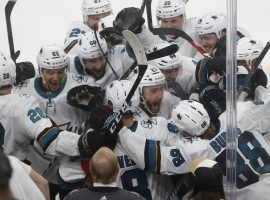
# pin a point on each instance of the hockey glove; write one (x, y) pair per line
(129, 19)
(211, 92)
(96, 118)
(91, 141)
(258, 78)
(24, 70)
(85, 97)
(112, 36)
(217, 65)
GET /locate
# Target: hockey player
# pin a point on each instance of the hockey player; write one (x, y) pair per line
(100, 65)
(22, 120)
(172, 14)
(52, 86)
(210, 28)
(154, 100)
(51, 89)
(93, 11)
(253, 153)
(178, 71)
(130, 177)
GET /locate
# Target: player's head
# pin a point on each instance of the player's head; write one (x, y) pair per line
(171, 13)
(170, 66)
(90, 54)
(190, 117)
(53, 63)
(248, 50)
(7, 70)
(210, 28)
(94, 10)
(116, 94)
(151, 88)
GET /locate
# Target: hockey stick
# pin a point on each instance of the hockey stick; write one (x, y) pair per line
(8, 10)
(151, 56)
(142, 65)
(70, 46)
(173, 31)
(255, 67)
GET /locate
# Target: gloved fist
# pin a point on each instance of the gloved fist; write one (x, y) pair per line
(91, 141)
(112, 36)
(258, 78)
(211, 92)
(24, 70)
(85, 97)
(216, 64)
(97, 118)
(129, 19)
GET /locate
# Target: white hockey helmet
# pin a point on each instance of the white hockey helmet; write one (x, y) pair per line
(52, 57)
(173, 61)
(212, 22)
(88, 46)
(117, 92)
(7, 70)
(248, 49)
(190, 116)
(152, 77)
(170, 8)
(96, 7)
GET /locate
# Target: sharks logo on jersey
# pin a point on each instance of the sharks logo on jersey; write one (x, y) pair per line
(149, 123)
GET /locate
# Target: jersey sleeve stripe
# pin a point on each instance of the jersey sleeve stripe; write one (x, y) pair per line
(47, 136)
(152, 156)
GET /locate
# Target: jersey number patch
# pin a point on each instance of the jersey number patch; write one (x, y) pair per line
(35, 114)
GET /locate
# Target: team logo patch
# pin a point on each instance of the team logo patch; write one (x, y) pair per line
(149, 123)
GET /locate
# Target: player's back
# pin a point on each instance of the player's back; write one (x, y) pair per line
(151, 186)
(253, 153)
(132, 178)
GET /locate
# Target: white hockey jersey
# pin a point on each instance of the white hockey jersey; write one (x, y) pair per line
(78, 27)
(54, 104)
(74, 31)
(22, 120)
(119, 59)
(130, 177)
(253, 153)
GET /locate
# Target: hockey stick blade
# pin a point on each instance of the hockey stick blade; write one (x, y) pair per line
(166, 51)
(8, 10)
(142, 65)
(173, 31)
(255, 67)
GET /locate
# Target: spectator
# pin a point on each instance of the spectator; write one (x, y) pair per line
(103, 171)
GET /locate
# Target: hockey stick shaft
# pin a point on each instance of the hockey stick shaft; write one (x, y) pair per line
(114, 72)
(153, 55)
(142, 65)
(173, 31)
(70, 46)
(255, 66)
(8, 10)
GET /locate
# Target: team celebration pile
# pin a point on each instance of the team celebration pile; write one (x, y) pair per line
(132, 111)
